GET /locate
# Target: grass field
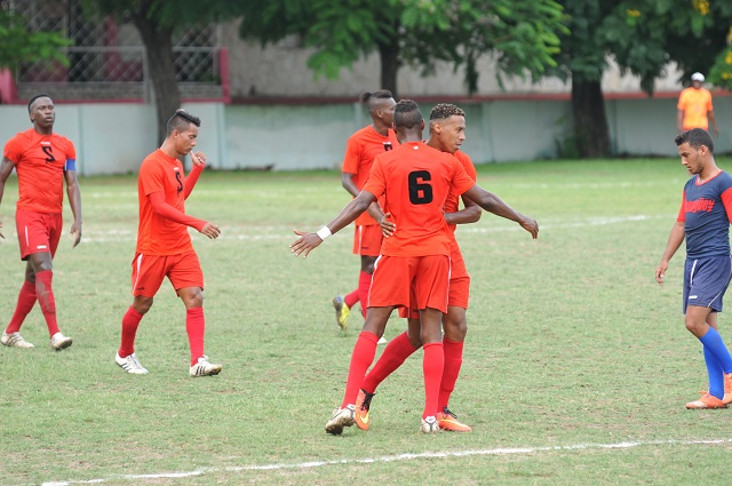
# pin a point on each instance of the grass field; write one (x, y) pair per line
(577, 364)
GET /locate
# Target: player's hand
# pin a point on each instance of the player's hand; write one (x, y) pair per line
(387, 227)
(305, 244)
(76, 233)
(198, 158)
(210, 230)
(531, 226)
(661, 272)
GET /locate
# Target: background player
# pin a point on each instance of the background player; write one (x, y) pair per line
(415, 179)
(164, 247)
(43, 160)
(703, 221)
(695, 108)
(361, 149)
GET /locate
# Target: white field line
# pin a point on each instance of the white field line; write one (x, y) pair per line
(398, 457)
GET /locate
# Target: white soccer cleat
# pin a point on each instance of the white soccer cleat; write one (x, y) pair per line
(341, 417)
(130, 364)
(204, 367)
(59, 341)
(15, 340)
(382, 340)
(430, 425)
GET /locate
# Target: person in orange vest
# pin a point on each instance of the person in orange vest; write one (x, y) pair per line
(695, 107)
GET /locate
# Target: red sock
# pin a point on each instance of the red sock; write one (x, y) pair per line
(364, 284)
(453, 361)
(44, 293)
(195, 327)
(362, 357)
(351, 299)
(130, 321)
(392, 358)
(26, 301)
(433, 362)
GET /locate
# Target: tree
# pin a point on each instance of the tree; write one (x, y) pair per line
(21, 45)
(643, 37)
(523, 33)
(157, 21)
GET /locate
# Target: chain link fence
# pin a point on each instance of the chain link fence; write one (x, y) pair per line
(107, 59)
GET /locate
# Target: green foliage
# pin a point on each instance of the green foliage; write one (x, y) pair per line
(17, 44)
(524, 33)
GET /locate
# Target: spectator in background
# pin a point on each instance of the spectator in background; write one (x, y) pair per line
(695, 107)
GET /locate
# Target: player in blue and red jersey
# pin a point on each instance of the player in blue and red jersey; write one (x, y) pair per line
(703, 221)
(43, 161)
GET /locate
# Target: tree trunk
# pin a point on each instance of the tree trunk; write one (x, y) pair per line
(590, 123)
(389, 58)
(159, 50)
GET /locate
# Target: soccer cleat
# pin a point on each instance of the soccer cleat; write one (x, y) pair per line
(706, 401)
(204, 367)
(59, 341)
(361, 413)
(449, 421)
(382, 340)
(430, 425)
(342, 311)
(341, 417)
(15, 340)
(727, 399)
(130, 364)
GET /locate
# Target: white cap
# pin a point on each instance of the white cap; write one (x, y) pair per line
(697, 77)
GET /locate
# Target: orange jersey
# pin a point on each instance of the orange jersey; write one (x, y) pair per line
(452, 203)
(40, 161)
(416, 179)
(157, 235)
(361, 149)
(695, 103)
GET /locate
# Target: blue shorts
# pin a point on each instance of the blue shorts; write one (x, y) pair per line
(706, 280)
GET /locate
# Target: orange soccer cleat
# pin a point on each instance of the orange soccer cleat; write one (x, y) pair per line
(706, 401)
(448, 421)
(363, 403)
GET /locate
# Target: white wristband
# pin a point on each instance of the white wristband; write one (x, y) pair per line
(323, 233)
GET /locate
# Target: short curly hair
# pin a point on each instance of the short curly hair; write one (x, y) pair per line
(445, 110)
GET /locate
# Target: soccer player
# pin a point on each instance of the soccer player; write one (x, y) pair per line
(695, 108)
(43, 161)
(415, 180)
(703, 221)
(361, 149)
(164, 247)
(447, 133)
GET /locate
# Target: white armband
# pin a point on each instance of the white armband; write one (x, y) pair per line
(323, 233)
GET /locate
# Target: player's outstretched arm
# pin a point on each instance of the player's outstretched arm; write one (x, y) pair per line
(309, 241)
(494, 204)
(74, 194)
(675, 238)
(162, 208)
(199, 163)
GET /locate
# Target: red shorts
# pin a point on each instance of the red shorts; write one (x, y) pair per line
(399, 281)
(367, 240)
(37, 232)
(148, 272)
(459, 292)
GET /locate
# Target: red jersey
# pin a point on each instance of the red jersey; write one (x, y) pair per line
(157, 235)
(452, 203)
(40, 161)
(361, 149)
(416, 179)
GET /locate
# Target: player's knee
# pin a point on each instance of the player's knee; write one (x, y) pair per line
(695, 327)
(193, 300)
(142, 304)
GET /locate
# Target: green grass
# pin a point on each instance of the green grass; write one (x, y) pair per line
(570, 342)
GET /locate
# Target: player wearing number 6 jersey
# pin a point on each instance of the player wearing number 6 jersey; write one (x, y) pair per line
(43, 161)
(164, 247)
(415, 180)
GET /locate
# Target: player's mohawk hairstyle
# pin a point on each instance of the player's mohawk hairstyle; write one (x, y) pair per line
(407, 114)
(371, 100)
(445, 110)
(180, 120)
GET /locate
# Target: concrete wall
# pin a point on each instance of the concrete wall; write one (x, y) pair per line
(115, 137)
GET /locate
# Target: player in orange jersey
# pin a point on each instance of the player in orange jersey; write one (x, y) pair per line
(447, 133)
(414, 265)
(361, 149)
(695, 108)
(164, 247)
(43, 161)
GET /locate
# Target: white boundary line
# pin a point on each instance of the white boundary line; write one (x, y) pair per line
(398, 457)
